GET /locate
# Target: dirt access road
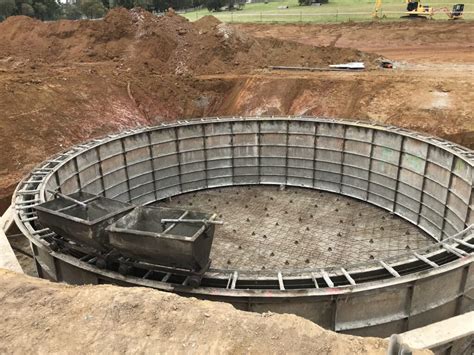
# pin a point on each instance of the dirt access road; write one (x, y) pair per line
(413, 41)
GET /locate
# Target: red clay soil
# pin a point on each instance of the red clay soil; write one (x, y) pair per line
(169, 44)
(65, 82)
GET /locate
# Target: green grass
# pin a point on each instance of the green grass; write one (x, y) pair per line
(334, 11)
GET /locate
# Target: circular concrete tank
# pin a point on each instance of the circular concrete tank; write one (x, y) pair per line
(426, 181)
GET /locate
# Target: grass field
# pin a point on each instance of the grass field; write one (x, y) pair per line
(334, 11)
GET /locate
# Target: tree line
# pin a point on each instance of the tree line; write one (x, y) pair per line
(48, 10)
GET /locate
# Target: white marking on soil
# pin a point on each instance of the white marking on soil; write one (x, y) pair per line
(441, 100)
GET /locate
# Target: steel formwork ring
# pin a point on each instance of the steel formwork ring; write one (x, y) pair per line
(425, 180)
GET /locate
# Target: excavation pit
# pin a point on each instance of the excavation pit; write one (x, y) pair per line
(404, 262)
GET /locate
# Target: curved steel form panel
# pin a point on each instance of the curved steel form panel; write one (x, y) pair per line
(425, 180)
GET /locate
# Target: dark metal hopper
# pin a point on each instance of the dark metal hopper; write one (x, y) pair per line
(184, 242)
(82, 217)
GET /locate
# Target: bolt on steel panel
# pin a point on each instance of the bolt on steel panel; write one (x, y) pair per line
(415, 148)
(217, 129)
(372, 308)
(457, 206)
(94, 187)
(74, 275)
(46, 263)
(162, 135)
(381, 201)
(438, 174)
(440, 156)
(67, 176)
(244, 127)
(428, 294)
(324, 143)
(388, 140)
(433, 315)
(463, 170)
(379, 330)
(383, 186)
(330, 129)
(110, 148)
(461, 188)
(302, 127)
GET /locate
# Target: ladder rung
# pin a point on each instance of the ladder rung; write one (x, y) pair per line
(229, 280)
(313, 276)
(47, 235)
(27, 192)
(389, 268)
(234, 280)
(348, 277)
(425, 260)
(29, 219)
(148, 273)
(84, 258)
(327, 278)
(32, 182)
(27, 202)
(25, 207)
(460, 241)
(39, 231)
(280, 281)
(455, 251)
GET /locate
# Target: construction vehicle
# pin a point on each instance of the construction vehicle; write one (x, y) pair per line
(415, 9)
(455, 14)
(378, 10)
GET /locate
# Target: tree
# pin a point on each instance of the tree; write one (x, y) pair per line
(41, 10)
(144, 4)
(92, 8)
(128, 4)
(46, 9)
(72, 12)
(7, 8)
(215, 5)
(27, 10)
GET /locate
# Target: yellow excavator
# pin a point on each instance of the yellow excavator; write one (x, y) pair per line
(415, 9)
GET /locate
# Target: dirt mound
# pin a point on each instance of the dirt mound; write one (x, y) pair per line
(43, 317)
(170, 44)
(207, 23)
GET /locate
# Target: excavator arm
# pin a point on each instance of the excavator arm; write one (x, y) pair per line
(377, 9)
